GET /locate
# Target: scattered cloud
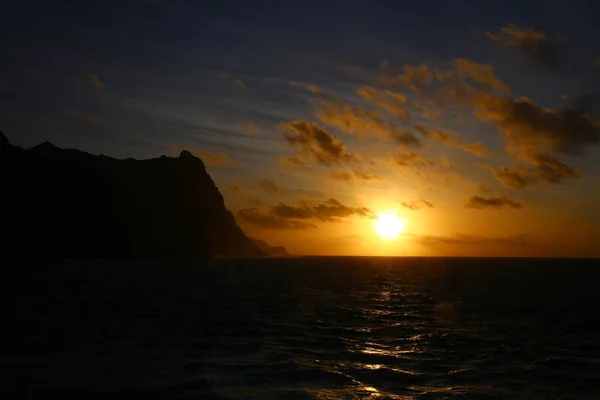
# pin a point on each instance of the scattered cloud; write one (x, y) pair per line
(245, 196)
(394, 103)
(309, 87)
(438, 136)
(416, 204)
(329, 211)
(341, 176)
(227, 77)
(355, 174)
(255, 217)
(512, 178)
(315, 144)
(96, 82)
(365, 177)
(269, 186)
(407, 158)
(251, 128)
(446, 162)
(283, 216)
(240, 83)
(535, 135)
(476, 148)
(480, 203)
(416, 78)
(361, 121)
(542, 50)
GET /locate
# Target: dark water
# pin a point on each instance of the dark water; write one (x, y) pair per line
(307, 328)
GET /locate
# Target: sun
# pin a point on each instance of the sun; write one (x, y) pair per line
(389, 226)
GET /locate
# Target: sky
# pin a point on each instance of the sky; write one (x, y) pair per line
(475, 123)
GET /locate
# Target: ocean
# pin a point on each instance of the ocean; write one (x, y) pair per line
(303, 328)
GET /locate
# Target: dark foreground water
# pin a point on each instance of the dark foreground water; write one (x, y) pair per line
(306, 328)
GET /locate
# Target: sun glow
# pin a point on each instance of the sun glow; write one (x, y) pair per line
(389, 226)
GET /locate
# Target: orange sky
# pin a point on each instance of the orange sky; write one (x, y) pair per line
(313, 119)
(472, 168)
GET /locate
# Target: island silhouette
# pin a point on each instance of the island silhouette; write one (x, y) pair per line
(60, 204)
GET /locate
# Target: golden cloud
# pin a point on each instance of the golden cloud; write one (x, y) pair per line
(533, 134)
(536, 45)
(255, 217)
(245, 196)
(361, 121)
(269, 186)
(416, 204)
(329, 211)
(356, 174)
(480, 203)
(315, 144)
(96, 82)
(251, 128)
(407, 158)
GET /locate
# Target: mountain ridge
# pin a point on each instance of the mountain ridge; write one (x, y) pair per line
(65, 203)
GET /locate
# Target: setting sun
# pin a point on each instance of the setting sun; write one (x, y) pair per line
(389, 226)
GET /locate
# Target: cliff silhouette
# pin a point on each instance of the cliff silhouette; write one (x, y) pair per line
(273, 251)
(62, 203)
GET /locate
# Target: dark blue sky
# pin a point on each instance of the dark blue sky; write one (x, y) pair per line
(144, 78)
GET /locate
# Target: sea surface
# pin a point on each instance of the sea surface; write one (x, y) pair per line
(303, 328)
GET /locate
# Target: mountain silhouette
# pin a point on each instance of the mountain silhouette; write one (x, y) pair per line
(62, 203)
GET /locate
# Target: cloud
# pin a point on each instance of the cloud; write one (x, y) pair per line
(365, 177)
(255, 217)
(527, 124)
(512, 178)
(348, 177)
(315, 144)
(251, 128)
(227, 77)
(476, 148)
(438, 136)
(247, 197)
(537, 135)
(240, 83)
(407, 158)
(480, 203)
(417, 204)
(96, 82)
(329, 211)
(283, 216)
(482, 74)
(536, 45)
(394, 103)
(361, 121)
(310, 88)
(269, 186)
(416, 78)
(341, 176)
(214, 159)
